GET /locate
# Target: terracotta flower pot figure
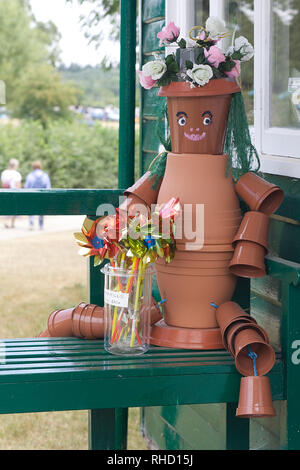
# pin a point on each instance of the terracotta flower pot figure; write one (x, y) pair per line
(208, 151)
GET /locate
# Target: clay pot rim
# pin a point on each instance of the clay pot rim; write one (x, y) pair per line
(264, 197)
(215, 87)
(251, 325)
(244, 320)
(252, 271)
(209, 248)
(268, 366)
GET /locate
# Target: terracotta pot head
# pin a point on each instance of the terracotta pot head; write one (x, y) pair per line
(255, 400)
(198, 116)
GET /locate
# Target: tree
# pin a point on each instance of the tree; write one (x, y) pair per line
(101, 10)
(42, 95)
(28, 52)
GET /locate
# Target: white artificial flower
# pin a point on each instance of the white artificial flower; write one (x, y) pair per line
(154, 69)
(200, 74)
(215, 27)
(242, 45)
(229, 51)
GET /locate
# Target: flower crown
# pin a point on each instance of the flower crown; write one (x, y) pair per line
(208, 62)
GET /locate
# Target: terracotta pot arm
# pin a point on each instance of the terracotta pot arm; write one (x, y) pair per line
(145, 190)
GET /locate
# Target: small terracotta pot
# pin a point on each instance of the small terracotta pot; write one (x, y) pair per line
(255, 400)
(265, 361)
(97, 323)
(248, 260)
(259, 194)
(254, 228)
(143, 189)
(85, 323)
(44, 334)
(191, 109)
(59, 323)
(227, 312)
(132, 204)
(240, 321)
(76, 319)
(234, 329)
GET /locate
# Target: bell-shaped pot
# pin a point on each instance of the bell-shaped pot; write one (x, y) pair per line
(198, 116)
(248, 260)
(259, 194)
(254, 228)
(228, 312)
(255, 400)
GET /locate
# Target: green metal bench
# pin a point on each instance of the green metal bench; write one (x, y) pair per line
(71, 374)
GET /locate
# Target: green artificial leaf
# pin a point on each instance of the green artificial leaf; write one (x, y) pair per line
(170, 59)
(189, 65)
(237, 55)
(227, 66)
(199, 56)
(182, 43)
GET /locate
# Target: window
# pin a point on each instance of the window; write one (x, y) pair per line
(270, 83)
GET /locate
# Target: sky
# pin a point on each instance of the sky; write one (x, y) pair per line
(74, 46)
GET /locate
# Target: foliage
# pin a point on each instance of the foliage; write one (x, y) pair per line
(28, 51)
(74, 154)
(42, 95)
(100, 87)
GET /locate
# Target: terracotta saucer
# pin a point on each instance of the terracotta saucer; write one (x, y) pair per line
(185, 338)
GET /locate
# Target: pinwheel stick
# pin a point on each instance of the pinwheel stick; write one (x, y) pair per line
(129, 286)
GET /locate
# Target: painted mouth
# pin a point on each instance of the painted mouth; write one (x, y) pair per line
(195, 137)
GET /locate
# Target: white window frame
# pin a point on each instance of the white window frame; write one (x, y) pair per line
(279, 148)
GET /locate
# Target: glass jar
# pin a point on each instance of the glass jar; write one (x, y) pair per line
(127, 304)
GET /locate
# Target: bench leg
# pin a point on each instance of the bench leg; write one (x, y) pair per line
(108, 429)
(237, 430)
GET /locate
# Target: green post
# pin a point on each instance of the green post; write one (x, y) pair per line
(127, 93)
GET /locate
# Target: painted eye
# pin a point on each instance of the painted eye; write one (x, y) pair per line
(182, 121)
(207, 121)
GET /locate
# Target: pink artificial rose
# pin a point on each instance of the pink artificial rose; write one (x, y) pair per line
(146, 82)
(214, 56)
(236, 71)
(169, 33)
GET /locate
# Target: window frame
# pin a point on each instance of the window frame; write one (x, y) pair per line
(279, 148)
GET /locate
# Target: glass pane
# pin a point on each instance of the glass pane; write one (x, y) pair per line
(285, 91)
(202, 11)
(239, 17)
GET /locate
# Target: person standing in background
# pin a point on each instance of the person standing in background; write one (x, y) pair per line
(37, 179)
(11, 178)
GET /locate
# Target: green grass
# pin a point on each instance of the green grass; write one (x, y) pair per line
(38, 275)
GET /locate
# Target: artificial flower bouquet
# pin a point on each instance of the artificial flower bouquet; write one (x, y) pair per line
(131, 244)
(199, 59)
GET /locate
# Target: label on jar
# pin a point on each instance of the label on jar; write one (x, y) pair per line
(117, 299)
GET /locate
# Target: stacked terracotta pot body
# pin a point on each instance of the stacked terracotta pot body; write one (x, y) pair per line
(196, 174)
(254, 357)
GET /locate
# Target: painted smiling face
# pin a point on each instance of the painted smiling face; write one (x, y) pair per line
(198, 124)
(195, 135)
